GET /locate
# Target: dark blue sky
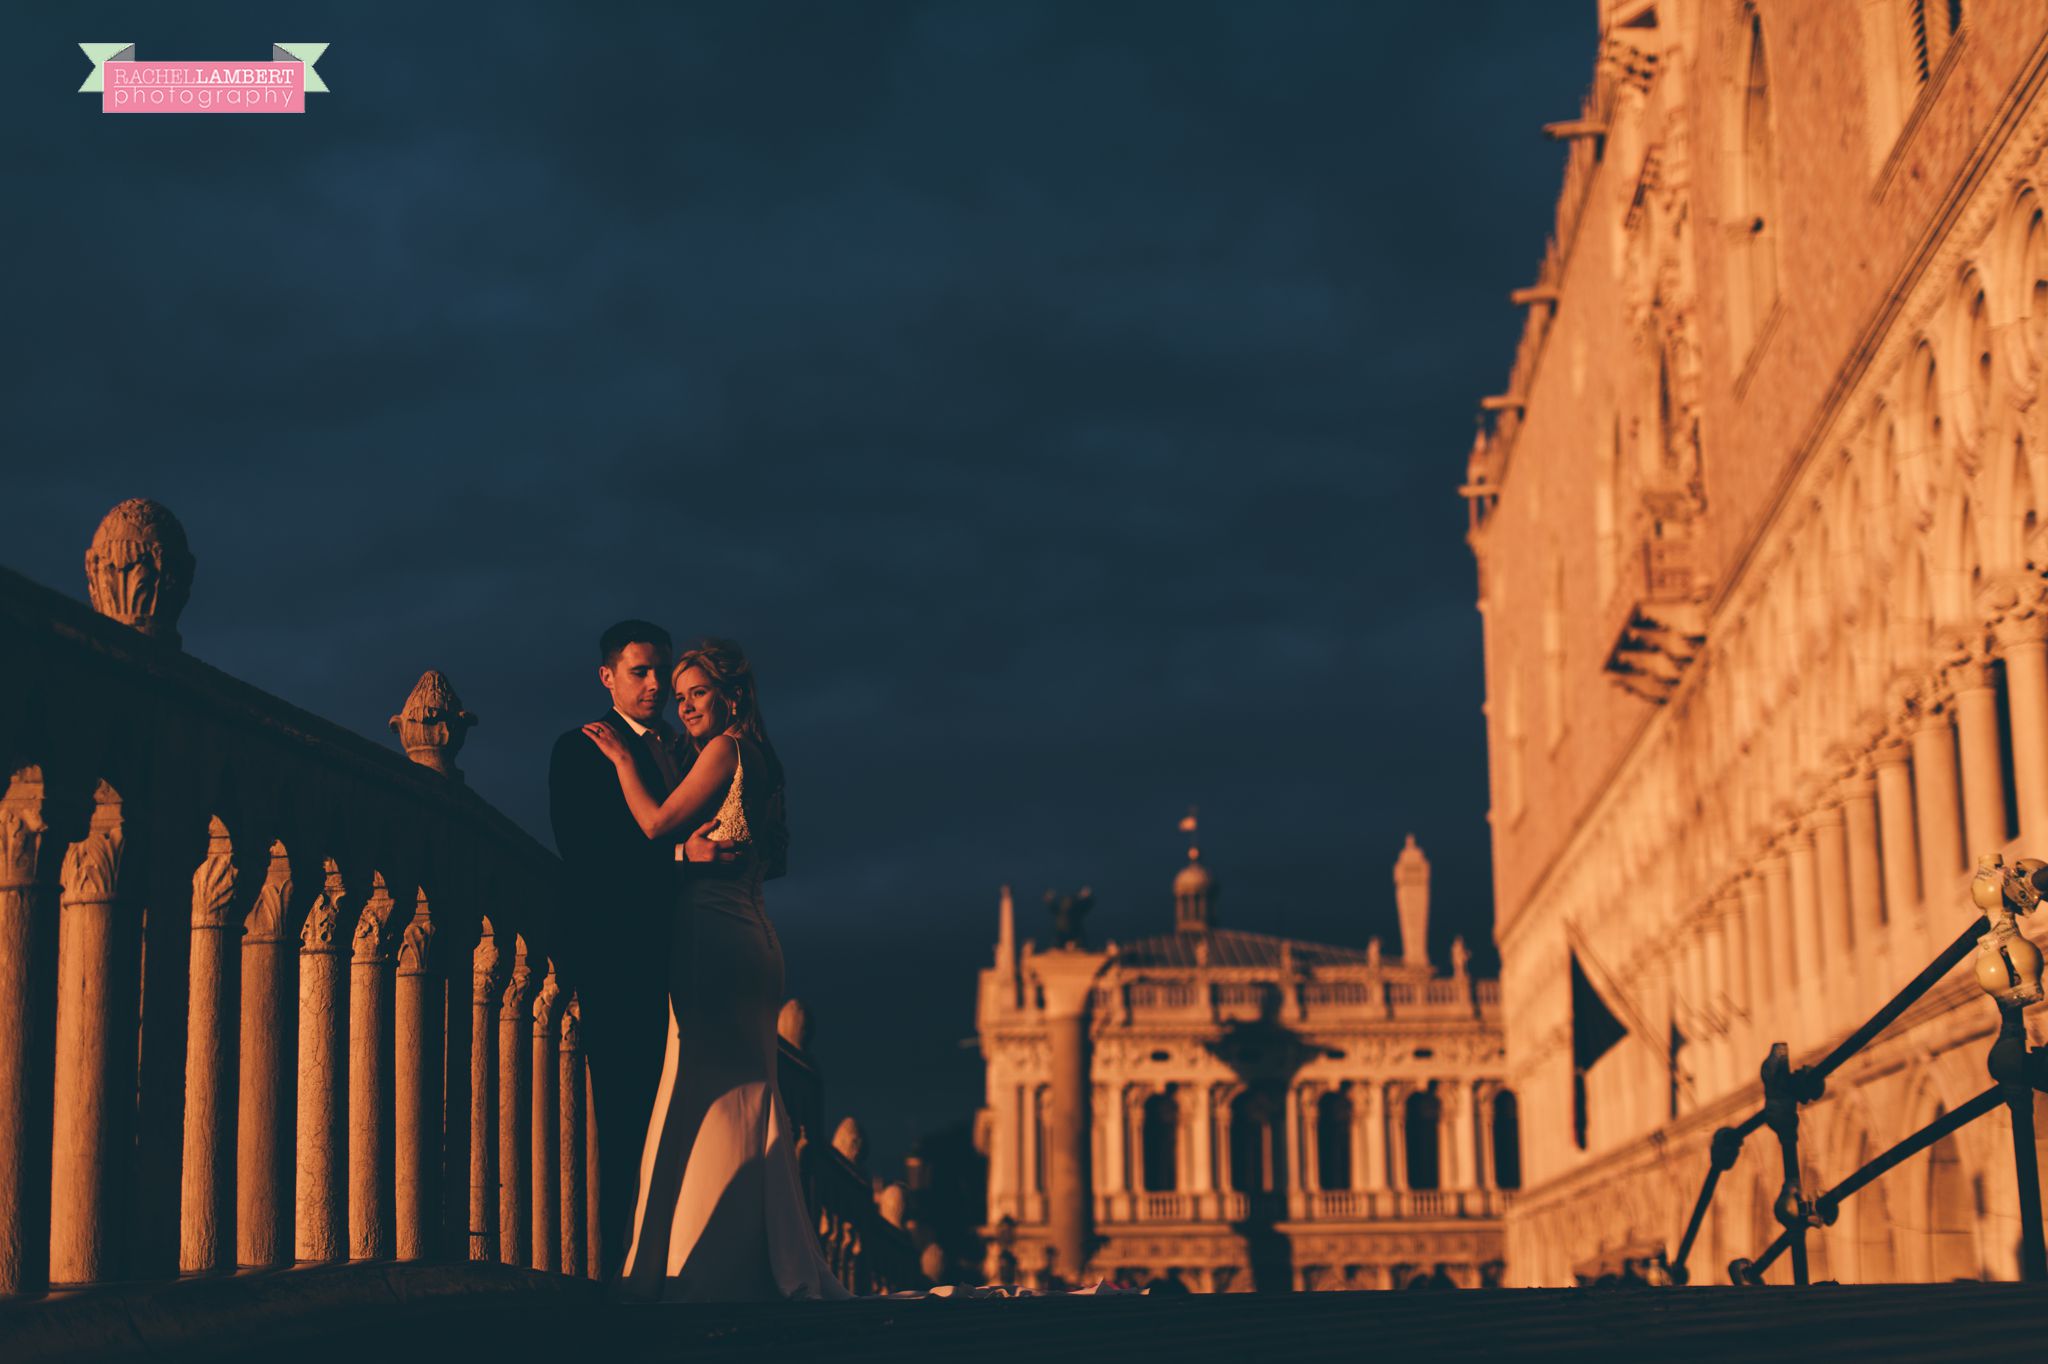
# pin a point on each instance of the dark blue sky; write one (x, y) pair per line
(1064, 403)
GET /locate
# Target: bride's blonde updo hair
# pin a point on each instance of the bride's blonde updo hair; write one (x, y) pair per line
(725, 663)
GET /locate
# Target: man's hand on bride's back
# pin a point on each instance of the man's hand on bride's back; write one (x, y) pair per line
(702, 847)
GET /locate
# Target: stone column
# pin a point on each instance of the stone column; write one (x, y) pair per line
(1978, 750)
(1370, 1121)
(1396, 1128)
(1464, 1135)
(1759, 937)
(421, 1011)
(1027, 1151)
(514, 1112)
(2021, 641)
(1720, 998)
(1482, 1108)
(1807, 970)
(1735, 937)
(323, 1070)
(1836, 966)
(1785, 981)
(487, 981)
(1898, 836)
(1199, 1112)
(1941, 835)
(370, 1078)
(1117, 1180)
(1296, 1186)
(84, 1113)
(569, 1110)
(593, 1187)
(206, 1190)
(22, 901)
(262, 1213)
(547, 1168)
(1067, 977)
(1866, 871)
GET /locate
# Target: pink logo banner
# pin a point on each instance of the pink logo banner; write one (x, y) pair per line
(132, 87)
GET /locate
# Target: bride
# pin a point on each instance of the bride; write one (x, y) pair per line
(720, 1215)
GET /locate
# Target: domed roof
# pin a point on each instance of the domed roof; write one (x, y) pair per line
(1193, 879)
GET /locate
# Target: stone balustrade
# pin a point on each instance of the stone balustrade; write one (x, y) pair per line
(233, 943)
(1339, 994)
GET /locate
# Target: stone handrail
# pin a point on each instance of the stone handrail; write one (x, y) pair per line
(270, 992)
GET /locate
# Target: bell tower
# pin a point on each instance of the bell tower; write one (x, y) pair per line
(1194, 891)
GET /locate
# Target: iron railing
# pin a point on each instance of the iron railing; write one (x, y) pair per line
(2016, 1072)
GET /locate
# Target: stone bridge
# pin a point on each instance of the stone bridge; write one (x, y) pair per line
(274, 996)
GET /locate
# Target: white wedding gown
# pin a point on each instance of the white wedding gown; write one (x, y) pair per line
(721, 1215)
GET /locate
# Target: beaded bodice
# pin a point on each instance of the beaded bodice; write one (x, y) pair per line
(732, 814)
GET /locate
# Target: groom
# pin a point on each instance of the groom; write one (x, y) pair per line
(624, 888)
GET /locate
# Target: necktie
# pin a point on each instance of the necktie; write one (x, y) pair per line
(663, 763)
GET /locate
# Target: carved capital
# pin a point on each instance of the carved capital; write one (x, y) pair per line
(273, 899)
(544, 1001)
(572, 1024)
(321, 933)
(139, 568)
(213, 885)
(415, 946)
(2018, 607)
(92, 866)
(512, 1004)
(486, 980)
(433, 724)
(21, 830)
(373, 924)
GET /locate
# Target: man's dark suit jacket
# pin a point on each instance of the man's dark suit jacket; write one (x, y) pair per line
(617, 936)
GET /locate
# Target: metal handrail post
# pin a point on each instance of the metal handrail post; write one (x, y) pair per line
(2008, 1066)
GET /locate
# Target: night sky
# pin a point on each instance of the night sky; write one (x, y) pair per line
(1064, 404)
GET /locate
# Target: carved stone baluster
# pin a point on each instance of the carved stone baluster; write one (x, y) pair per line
(262, 1229)
(547, 1168)
(569, 1111)
(203, 1242)
(323, 1070)
(514, 1118)
(593, 1233)
(419, 1014)
(81, 1142)
(486, 982)
(138, 569)
(369, 1079)
(21, 840)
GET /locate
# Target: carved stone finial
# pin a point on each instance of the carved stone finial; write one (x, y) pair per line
(138, 569)
(1459, 957)
(321, 931)
(893, 1203)
(433, 724)
(484, 977)
(931, 1262)
(795, 1024)
(544, 1000)
(373, 924)
(572, 1024)
(517, 981)
(416, 945)
(21, 829)
(213, 885)
(850, 1141)
(266, 917)
(92, 866)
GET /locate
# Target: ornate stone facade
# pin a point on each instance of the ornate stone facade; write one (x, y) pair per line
(1747, 737)
(1235, 1110)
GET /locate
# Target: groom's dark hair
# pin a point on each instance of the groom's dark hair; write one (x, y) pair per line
(613, 642)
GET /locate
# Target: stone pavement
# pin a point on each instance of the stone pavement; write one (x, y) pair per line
(417, 1312)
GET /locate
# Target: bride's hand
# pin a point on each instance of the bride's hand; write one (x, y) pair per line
(607, 742)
